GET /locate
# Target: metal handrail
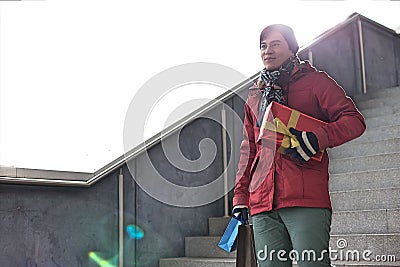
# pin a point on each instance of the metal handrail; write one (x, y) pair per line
(42, 181)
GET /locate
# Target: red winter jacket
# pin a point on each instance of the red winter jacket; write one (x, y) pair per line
(286, 182)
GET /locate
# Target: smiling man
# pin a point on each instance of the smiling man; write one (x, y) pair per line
(291, 207)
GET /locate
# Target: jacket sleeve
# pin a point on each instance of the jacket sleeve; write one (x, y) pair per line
(345, 122)
(247, 155)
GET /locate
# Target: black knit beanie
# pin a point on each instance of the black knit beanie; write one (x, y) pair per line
(286, 32)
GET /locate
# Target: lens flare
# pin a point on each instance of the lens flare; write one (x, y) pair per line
(101, 262)
(134, 232)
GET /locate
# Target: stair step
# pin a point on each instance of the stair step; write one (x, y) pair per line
(379, 93)
(363, 264)
(380, 111)
(365, 180)
(378, 134)
(382, 221)
(386, 198)
(217, 225)
(205, 246)
(209, 262)
(197, 262)
(342, 246)
(365, 163)
(378, 244)
(347, 222)
(377, 102)
(366, 149)
(386, 120)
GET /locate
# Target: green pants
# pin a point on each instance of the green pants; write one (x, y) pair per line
(298, 233)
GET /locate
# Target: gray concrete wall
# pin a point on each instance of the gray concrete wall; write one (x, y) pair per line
(338, 53)
(57, 226)
(380, 58)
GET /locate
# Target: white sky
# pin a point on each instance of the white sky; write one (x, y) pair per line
(69, 68)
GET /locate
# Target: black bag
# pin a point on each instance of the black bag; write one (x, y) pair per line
(246, 251)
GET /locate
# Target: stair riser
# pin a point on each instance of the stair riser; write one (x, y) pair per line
(366, 200)
(189, 263)
(358, 164)
(377, 244)
(371, 221)
(378, 102)
(194, 263)
(365, 180)
(366, 149)
(363, 264)
(381, 121)
(217, 226)
(381, 111)
(205, 246)
(365, 222)
(379, 93)
(378, 134)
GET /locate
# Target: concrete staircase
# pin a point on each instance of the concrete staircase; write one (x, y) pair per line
(203, 251)
(365, 193)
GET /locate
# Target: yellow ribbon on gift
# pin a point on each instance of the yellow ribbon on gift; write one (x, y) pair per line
(289, 140)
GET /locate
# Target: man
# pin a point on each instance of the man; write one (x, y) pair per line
(290, 207)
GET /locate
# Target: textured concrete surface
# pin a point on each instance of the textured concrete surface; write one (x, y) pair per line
(375, 179)
(380, 111)
(57, 226)
(379, 93)
(365, 221)
(385, 198)
(366, 149)
(377, 102)
(197, 262)
(378, 244)
(217, 225)
(205, 246)
(377, 134)
(368, 163)
(385, 120)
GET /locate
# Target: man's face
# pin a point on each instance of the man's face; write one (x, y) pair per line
(274, 50)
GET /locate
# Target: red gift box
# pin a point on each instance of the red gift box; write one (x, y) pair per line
(276, 123)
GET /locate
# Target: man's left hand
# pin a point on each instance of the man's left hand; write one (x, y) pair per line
(308, 145)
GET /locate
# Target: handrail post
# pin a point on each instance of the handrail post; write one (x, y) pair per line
(310, 56)
(361, 41)
(224, 160)
(121, 219)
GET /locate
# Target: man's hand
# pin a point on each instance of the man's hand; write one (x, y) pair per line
(308, 145)
(241, 213)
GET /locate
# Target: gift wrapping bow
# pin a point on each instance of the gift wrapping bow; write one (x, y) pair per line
(289, 140)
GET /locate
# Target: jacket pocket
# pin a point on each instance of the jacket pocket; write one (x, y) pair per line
(261, 168)
(313, 182)
(291, 184)
(311, 164)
